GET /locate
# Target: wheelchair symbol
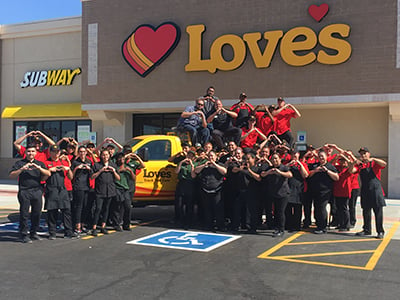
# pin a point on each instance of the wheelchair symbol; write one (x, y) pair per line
(186, 239)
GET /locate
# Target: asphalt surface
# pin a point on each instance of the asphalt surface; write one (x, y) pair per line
(296, 266)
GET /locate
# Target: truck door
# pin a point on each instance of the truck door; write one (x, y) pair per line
(157, 181)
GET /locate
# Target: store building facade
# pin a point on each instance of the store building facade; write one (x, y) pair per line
(40, 82)
(143, 62)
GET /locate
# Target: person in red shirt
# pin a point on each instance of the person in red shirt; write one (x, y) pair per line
(250, 135)
(265, 120)
(372, 195)
(342, 190)
(36, 136)
(243, 110)
(283, 114)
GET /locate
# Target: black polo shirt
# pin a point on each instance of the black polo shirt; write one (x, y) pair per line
(211, 179)
(105, 182)
(82, 176)
(320, 183)
(31, 178)
(277, 185)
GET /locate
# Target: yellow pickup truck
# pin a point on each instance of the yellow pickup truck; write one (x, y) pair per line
(156, 183)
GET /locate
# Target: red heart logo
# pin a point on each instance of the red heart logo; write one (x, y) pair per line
(318, 12)
(146, 47)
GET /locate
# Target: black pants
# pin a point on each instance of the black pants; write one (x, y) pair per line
(102, 206)
(79, 202)
(252, 201)
(279, 212)
(288, 137)
(234, 133)
(266, 205)
(378, 212)
(29, 198)
(52, 215)
(307, 207)
(293, 214)
(120, 209)
(320, 213)
(238, 204)
(352, 206)
(343, 214)
(213, 210)
(184, 204)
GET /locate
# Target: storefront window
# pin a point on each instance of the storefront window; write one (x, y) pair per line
(53, 129)
(154, 123)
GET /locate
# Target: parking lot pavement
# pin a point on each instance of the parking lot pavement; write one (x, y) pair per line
(298, 266)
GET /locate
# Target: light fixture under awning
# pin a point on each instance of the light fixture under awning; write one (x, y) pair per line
(60, 110)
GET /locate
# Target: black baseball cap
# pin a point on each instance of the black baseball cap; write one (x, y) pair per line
(363, 149)
(54, 148)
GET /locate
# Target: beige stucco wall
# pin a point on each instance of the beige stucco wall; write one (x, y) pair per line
(38, 46)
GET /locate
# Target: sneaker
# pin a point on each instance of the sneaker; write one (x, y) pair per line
(52, 236)
(94, 232)
(278, 233)
(26, 239)
(35, 237)
(363, 233)
(127, 228)
(103, 230)
(344, 229)
(72, 235)
(380, 235)
(319, 231)
(118, 228)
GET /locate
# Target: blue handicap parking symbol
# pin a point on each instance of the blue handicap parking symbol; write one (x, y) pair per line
(186, 240)
(14, 227)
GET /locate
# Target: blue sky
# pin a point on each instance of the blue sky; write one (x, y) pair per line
(22, 11)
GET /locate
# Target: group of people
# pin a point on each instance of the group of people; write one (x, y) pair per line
(209, 121)
(233, 189)
(255, 170)
(86, 186)
(242, 166)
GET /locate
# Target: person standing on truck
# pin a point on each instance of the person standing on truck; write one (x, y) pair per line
(243, 110)
(222, 120)
(211, 176)
(30, 173)
(193, 120)
(283, 114)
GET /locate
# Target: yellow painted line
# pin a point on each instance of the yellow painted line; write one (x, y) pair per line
(376, 253)
(309, 262)
(325, 254)
(280, 245)
(379, 251)
(333, 241)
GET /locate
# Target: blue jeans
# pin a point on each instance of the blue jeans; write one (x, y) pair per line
(197, 134)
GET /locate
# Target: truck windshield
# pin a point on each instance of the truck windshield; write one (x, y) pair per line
(133, 142)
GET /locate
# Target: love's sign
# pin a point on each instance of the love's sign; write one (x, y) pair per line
(146, 47)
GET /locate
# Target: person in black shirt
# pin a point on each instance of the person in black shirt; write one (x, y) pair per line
(105, 173)
(296, 183)
(278, 189)
(321, 178)
(223, 126)
(81, 171)
(211, 176)
(56, 195)
(30, 173)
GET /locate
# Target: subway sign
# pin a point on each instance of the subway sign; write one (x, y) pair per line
(49, 77)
